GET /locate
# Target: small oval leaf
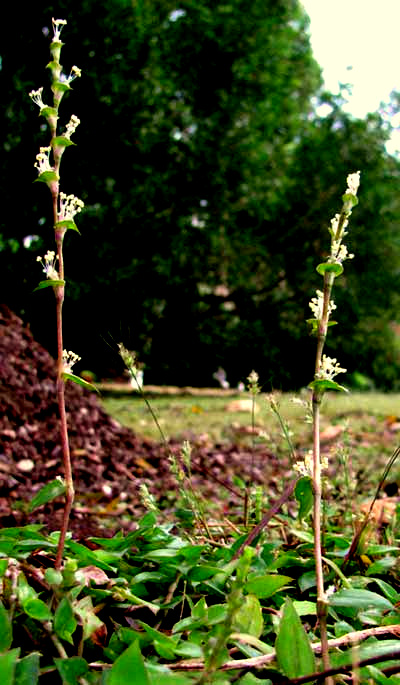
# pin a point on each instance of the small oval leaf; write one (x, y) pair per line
(47, 177)
(48, 112)
(60, 86)
(36, 608)
(303, 493)
(322, 385)
(61, 141)
(293, 650)
(68, 224)
(47, 493)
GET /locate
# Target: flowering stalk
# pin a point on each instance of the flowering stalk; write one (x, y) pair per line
(326, 369)
(65, 207)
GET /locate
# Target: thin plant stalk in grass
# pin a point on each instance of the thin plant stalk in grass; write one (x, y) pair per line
(65, 207)
(181, 469)
(325, 371)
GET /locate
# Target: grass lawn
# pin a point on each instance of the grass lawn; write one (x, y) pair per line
(359, 431)
(222, 419)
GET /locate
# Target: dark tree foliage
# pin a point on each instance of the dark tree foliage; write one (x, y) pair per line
(207, 185)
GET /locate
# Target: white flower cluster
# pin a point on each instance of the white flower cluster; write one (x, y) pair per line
(317, 304)
(69, 359)
(329, 369)
(306, 467)
(48, 263)
(69, 206)
(58, 25)
(36, 96)
(339, 252)
(42, 163)
(72, 126)
(353, 183)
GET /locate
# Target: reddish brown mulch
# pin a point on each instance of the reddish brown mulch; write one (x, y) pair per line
(109, 461)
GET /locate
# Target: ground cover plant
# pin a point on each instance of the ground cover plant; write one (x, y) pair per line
(298, 587)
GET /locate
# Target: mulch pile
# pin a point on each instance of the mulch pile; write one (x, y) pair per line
(109, 460)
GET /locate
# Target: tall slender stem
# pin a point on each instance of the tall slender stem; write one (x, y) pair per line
(322, 607)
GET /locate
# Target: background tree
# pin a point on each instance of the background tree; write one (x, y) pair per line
(201, 167)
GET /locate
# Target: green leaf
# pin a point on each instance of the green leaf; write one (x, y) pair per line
(359, 599)
(129, 668)
(250, 679)
(47, 177)
(350, 199)
(203, 571)
(48, 112)
(7, 666)
(305, 608)
(248, 618)
(52, 64)
(6, 635)
(68, 224)
(266, 586)
(199, 610)
(330, 267)
(36, 608)
(60, 86)
(293, 650)
(304, 494)
(80, 381)
(371, 649)
(48, 283)
(189, 650)
(161, 675)
(64, 621)
(164, 644)
(27, 669)
(217, 613)
(47, 493)
(24, 591)
(322, 385)
(71, 669)
(61, 141)
(53, 577)
(378, 677)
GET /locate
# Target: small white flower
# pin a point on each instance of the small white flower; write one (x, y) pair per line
(42, 163)
(317, 304)
(353, 182)
(306, 467)
(69, 207)
(339, 252)
(36, 96)
(48, 263)
(335, 226)
(253, 378)
(58, 25)
(73, 74)
(72, 126)
(329, 369)
(69, 359)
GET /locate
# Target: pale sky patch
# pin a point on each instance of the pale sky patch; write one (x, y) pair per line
(356, 42)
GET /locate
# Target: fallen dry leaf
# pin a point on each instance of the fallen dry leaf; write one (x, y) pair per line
(331, 433)
(241, 405)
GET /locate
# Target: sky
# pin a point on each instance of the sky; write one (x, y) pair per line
(357, 42)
